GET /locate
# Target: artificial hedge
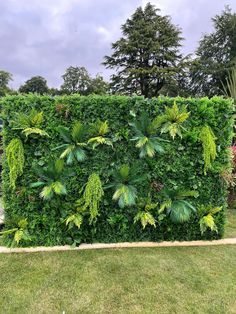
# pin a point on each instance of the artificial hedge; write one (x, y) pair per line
(180, 166)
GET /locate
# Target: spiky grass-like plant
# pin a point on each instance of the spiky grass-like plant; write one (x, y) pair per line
(144, 215)
(52, 178)
(145, 136)
(124, 181)
(230, 86)
(98, 134)
(15, 159)
(177, 208)
(208, 138)
(30, 123)
(171, 121)
(206, 215)
(75, 141)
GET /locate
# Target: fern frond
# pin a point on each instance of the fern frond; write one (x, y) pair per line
(18, 233)
(207, 220)
(47, 192)
(30, 131)
(59, 188)
(103, 128)
(99, 130)
(78, 131)
(172, 120)
(145, 218)
(36, 118)
(75, 219)
(29, 123)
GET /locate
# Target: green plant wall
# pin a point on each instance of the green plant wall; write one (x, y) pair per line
(181, 166)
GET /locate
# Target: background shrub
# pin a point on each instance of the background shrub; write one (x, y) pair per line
(181, 166)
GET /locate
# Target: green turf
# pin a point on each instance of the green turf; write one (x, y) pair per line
(161, 280)
(230, 229)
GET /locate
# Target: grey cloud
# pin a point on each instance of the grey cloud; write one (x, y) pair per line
(41, 37)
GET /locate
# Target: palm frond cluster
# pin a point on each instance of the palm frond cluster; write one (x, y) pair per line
(29, 123)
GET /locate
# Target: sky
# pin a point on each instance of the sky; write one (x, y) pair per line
(44, 37)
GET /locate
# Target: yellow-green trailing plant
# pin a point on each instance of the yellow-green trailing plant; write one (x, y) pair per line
(15, 159)
(98, 134)
(206, 218)
(91, 198)
(29, 123)
(208, 140)
(171, 121)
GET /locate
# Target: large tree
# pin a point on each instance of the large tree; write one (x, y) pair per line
(5, 78)
(98, 85)
(146, 58)
(78, 80)
(215, 55)
(37, 84)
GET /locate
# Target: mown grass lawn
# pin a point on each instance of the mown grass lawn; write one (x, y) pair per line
(158, 280)
(161, 280)
(230, 230)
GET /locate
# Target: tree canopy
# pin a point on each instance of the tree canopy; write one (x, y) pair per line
(78, 80)
(147, 56)
(216, 55)
(5, 78)
(37, 84)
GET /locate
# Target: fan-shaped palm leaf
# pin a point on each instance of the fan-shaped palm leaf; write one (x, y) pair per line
(52, 179)
(124, 181)
(98, 133)
(178, 209)
(145, 136)
(74, 143)
(171, 121)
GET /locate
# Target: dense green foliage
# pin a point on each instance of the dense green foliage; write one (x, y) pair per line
(126, 178)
